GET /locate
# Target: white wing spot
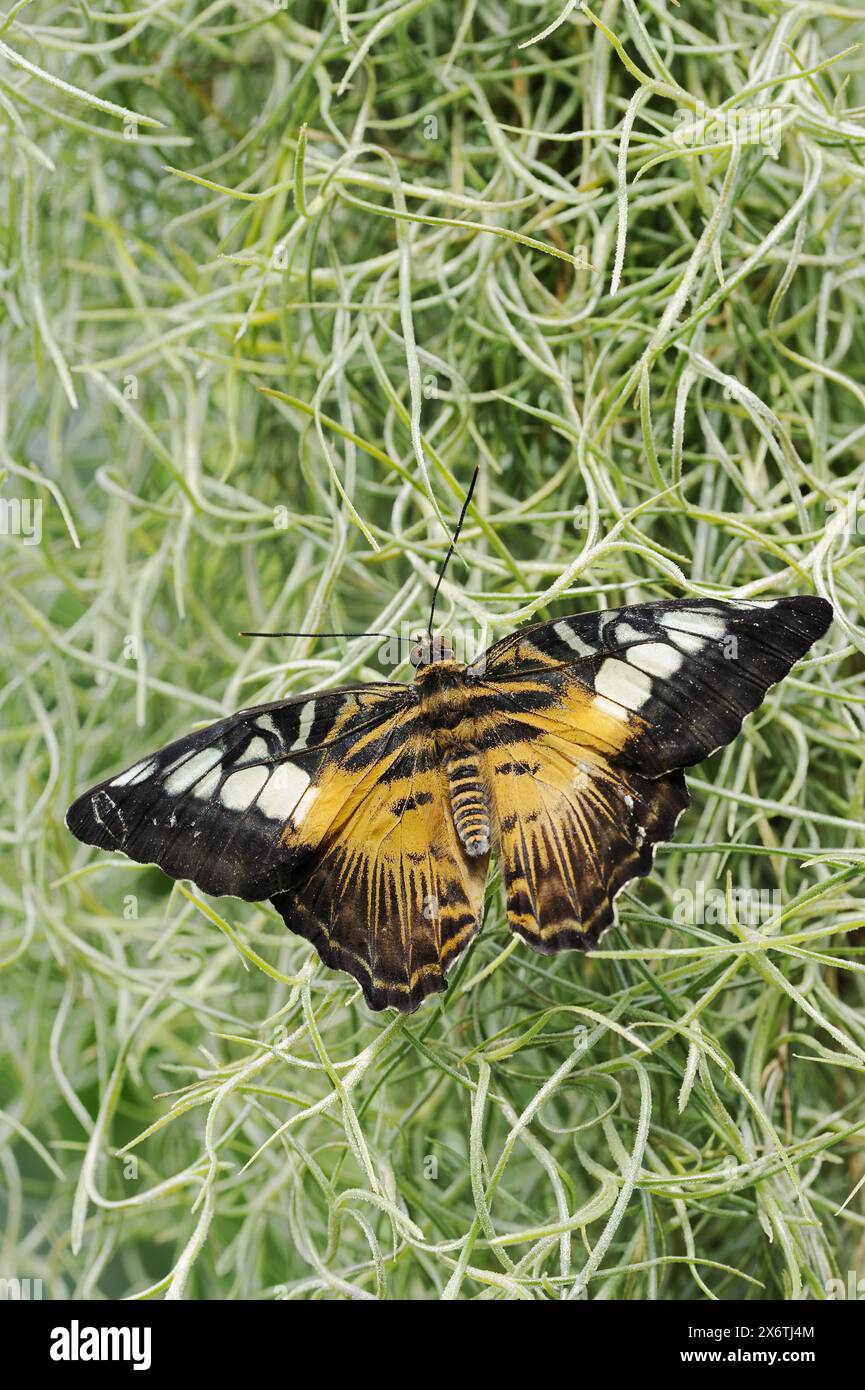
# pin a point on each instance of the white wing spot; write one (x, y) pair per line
(205, 789)
(703, 624)
(255, 752)
(307, 715)
(267, 726)
(610, 707)
(656, 658)
(626, 633)
(564, 631)
(135, 774)
(283, 792)
(623, 684)
(303, 807)
(688, 641)
(241, 788)
(187, 773)
(101, 804)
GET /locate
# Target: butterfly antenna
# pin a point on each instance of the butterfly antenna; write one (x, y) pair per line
(322, 634)
(451, 549)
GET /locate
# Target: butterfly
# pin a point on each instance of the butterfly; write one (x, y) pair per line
(367, 814)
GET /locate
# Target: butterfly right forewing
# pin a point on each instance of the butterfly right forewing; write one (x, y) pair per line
(668, 682)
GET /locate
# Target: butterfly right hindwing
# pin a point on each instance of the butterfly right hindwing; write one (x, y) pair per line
(571, 830)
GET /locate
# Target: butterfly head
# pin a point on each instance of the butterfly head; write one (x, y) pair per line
(429, 651)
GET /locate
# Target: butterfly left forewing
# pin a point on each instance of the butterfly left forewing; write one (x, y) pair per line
(226, 806)
(335, 806)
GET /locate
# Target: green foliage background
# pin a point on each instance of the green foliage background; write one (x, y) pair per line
(613, 257)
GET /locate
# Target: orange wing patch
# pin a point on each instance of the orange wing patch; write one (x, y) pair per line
(574, 712)
(387, 892)
(571, 831)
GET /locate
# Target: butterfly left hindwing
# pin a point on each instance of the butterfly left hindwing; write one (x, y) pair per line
(389, 893)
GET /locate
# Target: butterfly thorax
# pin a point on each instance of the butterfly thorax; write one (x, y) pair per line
(447, 703)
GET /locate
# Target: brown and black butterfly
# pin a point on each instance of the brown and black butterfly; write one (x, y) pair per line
(367, 814)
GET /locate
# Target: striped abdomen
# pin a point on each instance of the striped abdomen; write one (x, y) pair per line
(469, 801)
